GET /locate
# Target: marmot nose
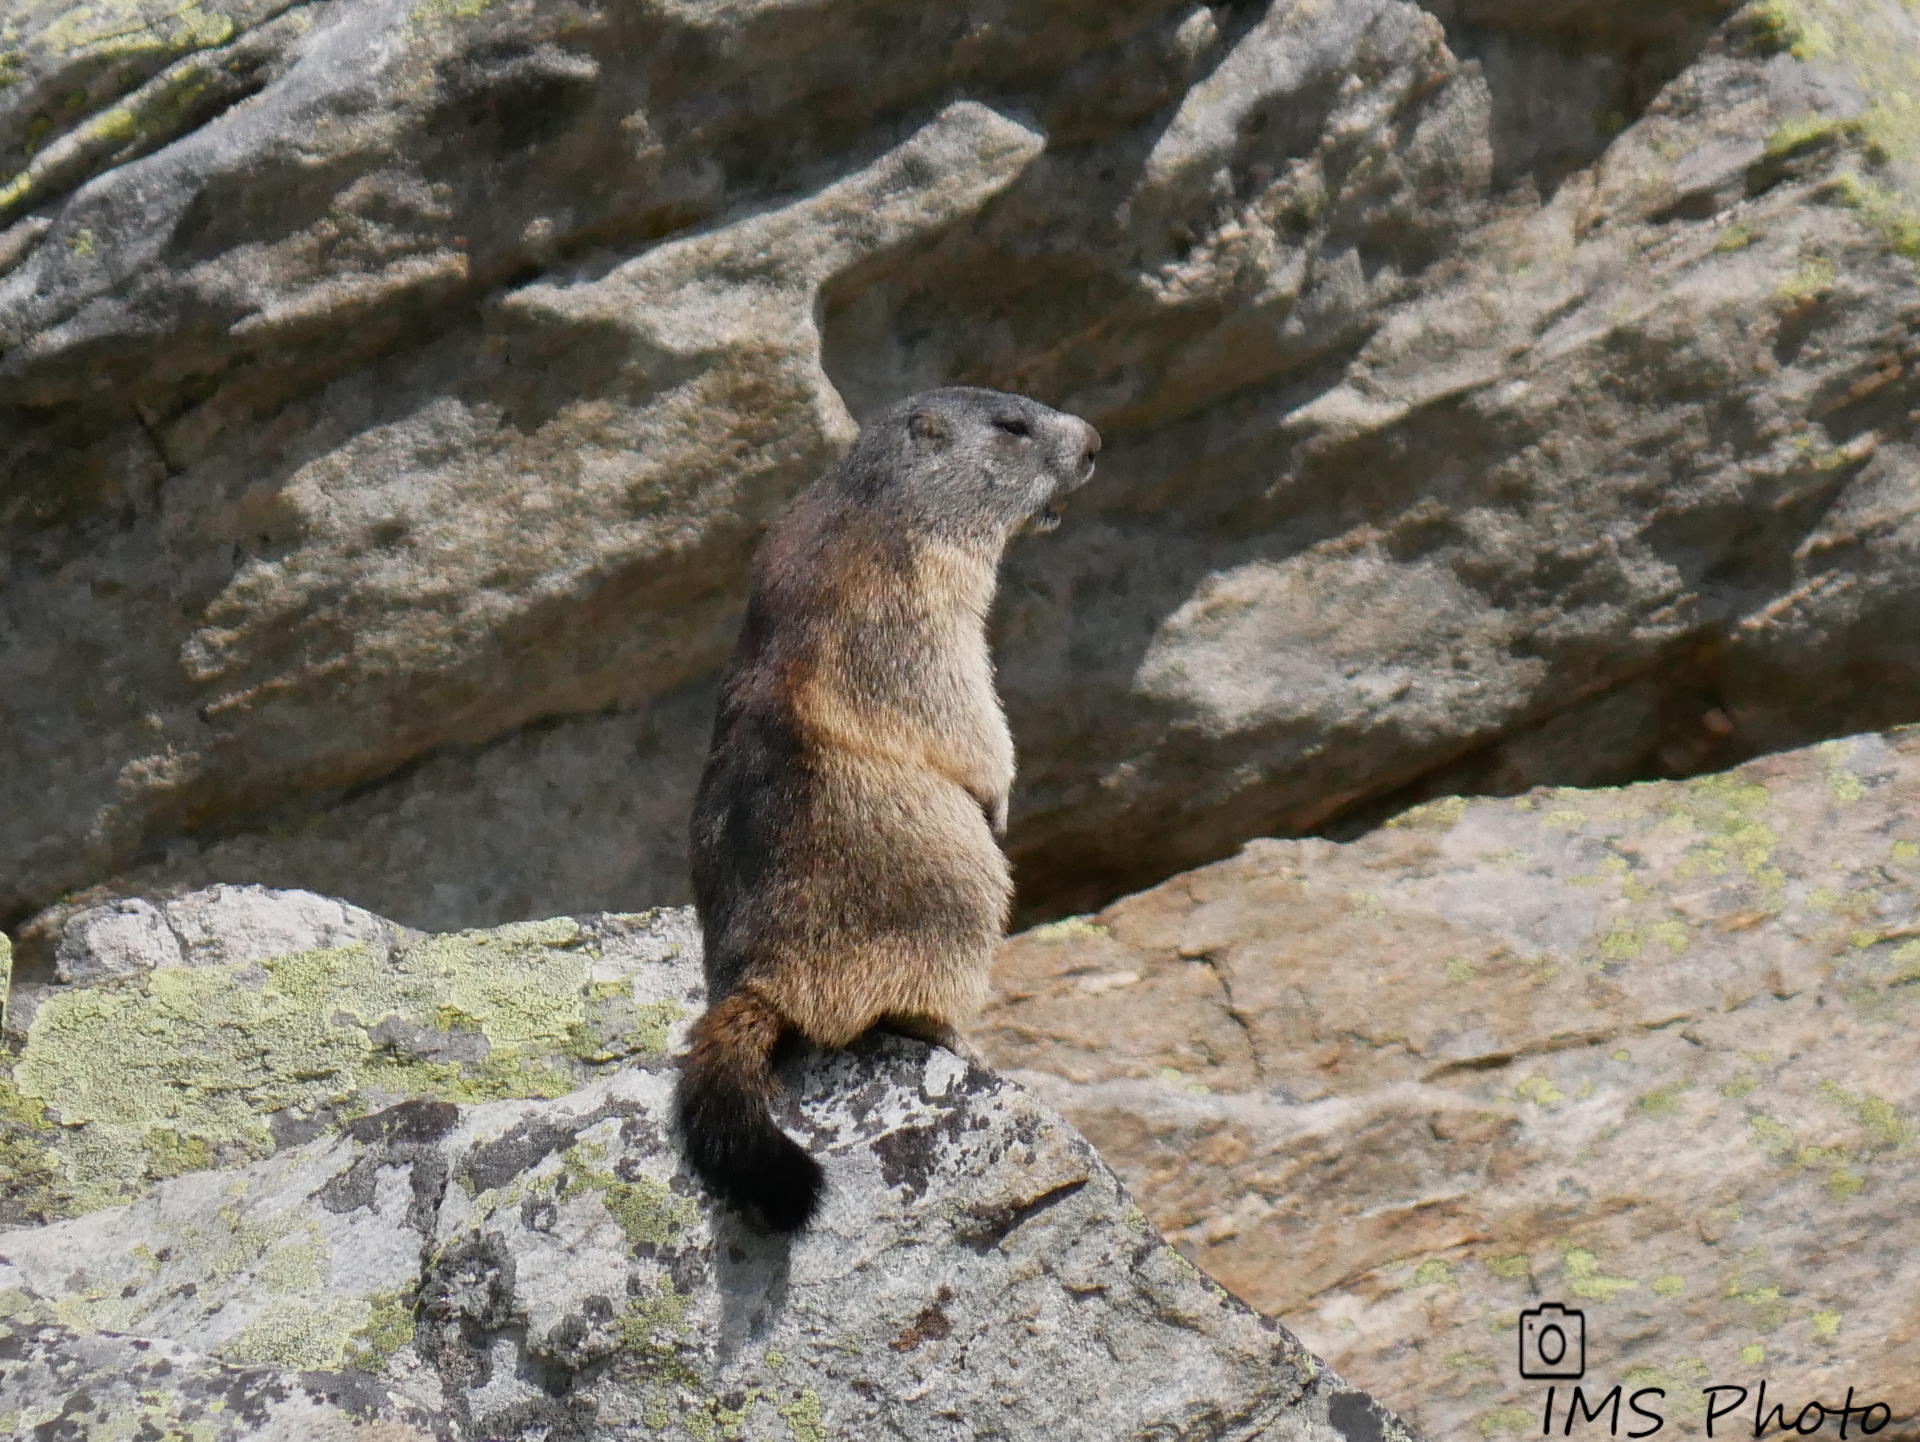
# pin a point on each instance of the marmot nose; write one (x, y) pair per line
(1090, 447)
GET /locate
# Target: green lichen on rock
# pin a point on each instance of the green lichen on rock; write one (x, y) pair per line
(1072, 928)
(178, 1069)
(803, 1418)
(1442, 815)
(647, 1210)
(295, 1334)
(1506, 1421)
(1882, 1123)
(1586, 1281)
(1663, 1103)
(389, 1327)
(123, 29)
(651, 1328)
(441, 12)
(1879, 53)
(716, 1421)
(616, 1027)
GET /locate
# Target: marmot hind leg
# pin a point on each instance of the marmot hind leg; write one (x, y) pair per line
(933, 1033)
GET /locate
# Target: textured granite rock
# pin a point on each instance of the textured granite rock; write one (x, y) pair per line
(325, 1229)
(391, 391)
(1646, 1052)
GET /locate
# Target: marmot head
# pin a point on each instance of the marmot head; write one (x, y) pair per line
(972, 466)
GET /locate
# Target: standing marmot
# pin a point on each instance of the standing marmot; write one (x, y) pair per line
(845, 863)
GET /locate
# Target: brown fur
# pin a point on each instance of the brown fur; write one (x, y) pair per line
(846, 866)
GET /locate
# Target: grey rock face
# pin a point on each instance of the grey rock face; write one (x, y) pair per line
(225, 925)
(391, 394)
(534, 1267)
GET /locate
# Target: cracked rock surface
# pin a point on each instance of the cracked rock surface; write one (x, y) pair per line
(1647, 1052)
(430, 1194)
(391, 392)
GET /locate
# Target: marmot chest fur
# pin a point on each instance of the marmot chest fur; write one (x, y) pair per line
(846, 864)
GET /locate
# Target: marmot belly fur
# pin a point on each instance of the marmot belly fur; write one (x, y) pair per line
(846, 864)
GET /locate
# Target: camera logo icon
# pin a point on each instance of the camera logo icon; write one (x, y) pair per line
(1553, 1343)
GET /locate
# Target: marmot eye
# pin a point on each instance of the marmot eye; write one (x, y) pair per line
(1014, 426)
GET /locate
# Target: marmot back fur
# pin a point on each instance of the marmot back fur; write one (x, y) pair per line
(846, 866)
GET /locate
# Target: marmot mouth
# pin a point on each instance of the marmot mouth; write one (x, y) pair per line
(1047, 519)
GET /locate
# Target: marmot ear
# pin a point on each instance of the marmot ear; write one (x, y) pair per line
(928, 426)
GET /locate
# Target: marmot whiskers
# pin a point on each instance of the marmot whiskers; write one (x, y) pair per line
(846, 866)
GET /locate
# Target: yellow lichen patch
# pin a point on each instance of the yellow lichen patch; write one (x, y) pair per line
(1741, 1085)
(1367, 904)
(122, 29)
(1844, 785)
(168, 1072)
(1681, 1382)
(803, 1417)
(170, 1155)
(1072, 928)
(1883, 1124)
(388, 1327)
(1671, 934)
(649, 1329)
(1770, 1309)
(1805, 130)
(1623, 942)
(1866, 42)
(1434, 1272)
(1442, 815)
(1585, 1280)
(1508, 1421)
(1509, 1269)
(1539, 1090)
(646, 1210)
(1784, 25)
(1906, 962)
(1898, 223)
(1842, 1184)
(1663, 1103)
(1773, 1134)
(1752, 1355)
(295, 1334)
(1815, 278)
(1669, 1284)
(1826, 1324)
(1728, 810)
(441, 12)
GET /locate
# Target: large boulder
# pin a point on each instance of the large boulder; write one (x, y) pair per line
(280, 1169)
(1645, 1052)
(391, 392)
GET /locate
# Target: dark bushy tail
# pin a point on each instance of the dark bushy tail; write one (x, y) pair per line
(726, 1086)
